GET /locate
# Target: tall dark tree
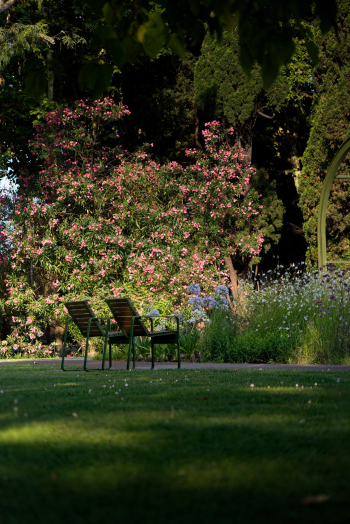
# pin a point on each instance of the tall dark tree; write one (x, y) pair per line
(330, 127)
(42, 49)
(222, 89)
(270, 125)
(160, 96)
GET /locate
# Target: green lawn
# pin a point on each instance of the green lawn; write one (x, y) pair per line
(174, 446)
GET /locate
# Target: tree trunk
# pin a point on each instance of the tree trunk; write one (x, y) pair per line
(49, 68)
(247, 146)
(59, 332)
(249, 152)
(50, 76)
(197, 130)
(233, 277)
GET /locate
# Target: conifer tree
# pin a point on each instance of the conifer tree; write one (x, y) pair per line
(330, 127)
(270, 126)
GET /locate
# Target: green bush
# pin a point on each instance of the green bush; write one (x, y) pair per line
(218, 337)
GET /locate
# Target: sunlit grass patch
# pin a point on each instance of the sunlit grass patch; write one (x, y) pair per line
(190, 445)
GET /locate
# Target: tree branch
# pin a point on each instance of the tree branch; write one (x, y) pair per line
(266, 116)
(47, 39)
(7, 5)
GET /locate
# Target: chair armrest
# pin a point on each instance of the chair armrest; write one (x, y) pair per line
(159, 316)
(176, 317)
(106, 328)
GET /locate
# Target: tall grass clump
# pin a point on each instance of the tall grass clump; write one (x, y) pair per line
(216, 340)
(296, 317)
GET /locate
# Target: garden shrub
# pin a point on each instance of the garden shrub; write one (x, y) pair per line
(101, 222)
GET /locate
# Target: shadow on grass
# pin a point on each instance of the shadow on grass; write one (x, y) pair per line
(172, 453)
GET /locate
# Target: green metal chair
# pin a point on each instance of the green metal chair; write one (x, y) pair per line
(89, 326)
(130, 322)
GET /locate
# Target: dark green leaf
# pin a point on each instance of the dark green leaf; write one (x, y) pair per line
(245, 59)
(117, 50)
(312, 49)
(327, 12)
(108, 13)
(269, 72)
(96, 76)
(130, 49)
(152, 34)
(36, 83)
(177, 45)
(102, 33)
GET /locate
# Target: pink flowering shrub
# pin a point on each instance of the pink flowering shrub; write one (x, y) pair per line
(7, 202)
(102, 222)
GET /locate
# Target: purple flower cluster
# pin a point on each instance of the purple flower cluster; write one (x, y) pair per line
(217, 302)
(154, 313)
(194, 289)
(222, 291)
(196, 302)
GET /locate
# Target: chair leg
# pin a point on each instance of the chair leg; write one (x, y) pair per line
(133, 354)
(104, 351)
(152, 353)
(87, 344)
(129, 355)
(64, 348)
(110, 355)
(108, 328)
(64, 345)
(178, 355)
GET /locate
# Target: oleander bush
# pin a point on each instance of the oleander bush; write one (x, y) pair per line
(99, 221)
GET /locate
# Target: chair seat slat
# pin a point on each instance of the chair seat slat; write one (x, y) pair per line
(77, 308)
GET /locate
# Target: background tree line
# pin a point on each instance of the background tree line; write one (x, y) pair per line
(56, 52)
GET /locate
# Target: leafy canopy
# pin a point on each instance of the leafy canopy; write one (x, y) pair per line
(266, 35)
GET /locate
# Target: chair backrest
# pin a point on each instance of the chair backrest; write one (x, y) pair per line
(123, 310)
(81, 312)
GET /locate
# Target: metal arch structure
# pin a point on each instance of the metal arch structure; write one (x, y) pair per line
(326, 189)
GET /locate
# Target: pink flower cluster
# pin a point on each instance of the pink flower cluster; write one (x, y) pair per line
(106, 219)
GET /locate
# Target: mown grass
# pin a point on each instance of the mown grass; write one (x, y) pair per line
(174, 446)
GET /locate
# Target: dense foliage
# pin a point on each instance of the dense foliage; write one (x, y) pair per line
(330, 127)
(100, 221)
(144, 204)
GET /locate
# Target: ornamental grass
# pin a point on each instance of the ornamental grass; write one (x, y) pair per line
(293, 316)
